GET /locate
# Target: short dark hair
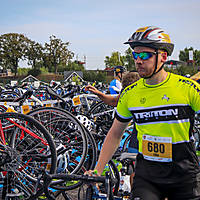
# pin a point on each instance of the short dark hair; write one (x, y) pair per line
(129, 78)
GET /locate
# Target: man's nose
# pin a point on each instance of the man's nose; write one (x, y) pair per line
(138, 60)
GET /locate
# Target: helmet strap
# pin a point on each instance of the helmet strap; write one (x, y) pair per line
(119, 76)
(156, 66)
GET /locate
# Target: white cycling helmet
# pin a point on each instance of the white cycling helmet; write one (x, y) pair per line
(153, 37)
(62, 159)
(85, 121)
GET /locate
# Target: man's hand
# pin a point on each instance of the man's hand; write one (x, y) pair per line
(92, 89)
(92, 173)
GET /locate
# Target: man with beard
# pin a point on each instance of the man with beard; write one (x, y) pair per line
(163, 106)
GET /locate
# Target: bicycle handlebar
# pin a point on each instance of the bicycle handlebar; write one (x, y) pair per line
(75, 177)
(47, 181)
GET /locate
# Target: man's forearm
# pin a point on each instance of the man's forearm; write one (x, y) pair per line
(108, 99)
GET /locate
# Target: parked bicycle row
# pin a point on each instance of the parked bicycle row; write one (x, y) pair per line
(61, 135)
(65, 146)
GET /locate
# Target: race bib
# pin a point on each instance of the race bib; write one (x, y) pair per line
(157, 148)
(25, 109)
(76, 101)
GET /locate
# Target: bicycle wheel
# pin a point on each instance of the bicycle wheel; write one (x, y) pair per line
(26, 148)
(91, 157)
(126, 143)
(89, 163)
(9, 94)
(67, 132)
(102, 115)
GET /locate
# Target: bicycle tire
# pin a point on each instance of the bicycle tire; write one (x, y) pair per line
(115, 175)
(63, 132)
(125, 145)
(92, 150)
(9, 94)
(102, 115)
(26, 149)
(89, 193)
(89, 163)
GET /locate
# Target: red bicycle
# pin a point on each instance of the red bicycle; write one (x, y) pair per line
(26, 148)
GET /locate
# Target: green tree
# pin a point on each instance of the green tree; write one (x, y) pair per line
(89, 76)
(184, 55)
(94, 76)
(43, 70)
(182, 70)
(56, 53)
(34, 53)
(12, 49)
(75, 66)
(197, 57)
(129, 61)
(114, 60)
(62, 68)
(34, 72)
(46, 61)
(22, 71)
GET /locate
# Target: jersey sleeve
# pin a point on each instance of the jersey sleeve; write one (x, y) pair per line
(122, 113)
(194, 94)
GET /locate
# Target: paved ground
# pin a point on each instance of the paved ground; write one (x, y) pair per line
(73, 194)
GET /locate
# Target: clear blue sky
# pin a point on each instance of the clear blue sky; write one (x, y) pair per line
(97, 28)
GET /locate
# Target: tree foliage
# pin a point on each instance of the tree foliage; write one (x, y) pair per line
(101, 77)
(22, 71)
(114, 60)
(75, 66)
(13, 47)
(182, 70)
(57, 53)
(92, 76)
(34, 72)
(55, 56)
(34, 53)
(129, 61)
(184, 55)
(89, 76)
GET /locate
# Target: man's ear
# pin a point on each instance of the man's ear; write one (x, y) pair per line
(163, 57)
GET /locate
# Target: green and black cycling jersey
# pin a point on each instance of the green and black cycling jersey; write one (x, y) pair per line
(164, 117)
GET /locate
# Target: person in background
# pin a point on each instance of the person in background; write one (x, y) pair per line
(115, 85)
(127, 79)
(163, 106)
